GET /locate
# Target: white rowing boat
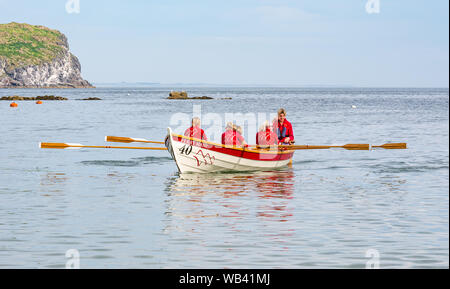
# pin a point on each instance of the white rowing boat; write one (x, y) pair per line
(197, 156)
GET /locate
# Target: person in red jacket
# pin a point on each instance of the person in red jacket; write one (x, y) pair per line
(266, 136)
(232, 137)
(283, 128)
(240, 137)
(195, 131)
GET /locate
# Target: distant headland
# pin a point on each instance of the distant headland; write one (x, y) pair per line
(37, 57)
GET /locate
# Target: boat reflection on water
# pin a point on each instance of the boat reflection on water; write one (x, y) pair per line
(269, 184)
(250, 196)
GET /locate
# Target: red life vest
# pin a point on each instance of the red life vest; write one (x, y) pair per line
(195, 132)
(232, 137)
(267, 137)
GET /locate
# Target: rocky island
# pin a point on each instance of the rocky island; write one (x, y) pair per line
(184, 95)
(37, 57)
(20, 98)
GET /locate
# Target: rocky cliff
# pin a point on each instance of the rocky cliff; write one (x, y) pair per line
(35, 56)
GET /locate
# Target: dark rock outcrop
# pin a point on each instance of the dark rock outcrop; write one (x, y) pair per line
(90, 98)
(25, 98)
(183, 95)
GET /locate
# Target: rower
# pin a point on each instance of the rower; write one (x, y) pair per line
(240, 137)
(266, 136)
(283, 128)
(232, 137)
(195, 131)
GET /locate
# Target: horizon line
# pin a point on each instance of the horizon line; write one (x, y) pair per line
(194, 84)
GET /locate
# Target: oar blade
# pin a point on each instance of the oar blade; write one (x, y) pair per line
(47, 145)
(129, 140)
(394, 146)
(119, 139)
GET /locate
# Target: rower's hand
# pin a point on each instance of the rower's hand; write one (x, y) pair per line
(292, 142)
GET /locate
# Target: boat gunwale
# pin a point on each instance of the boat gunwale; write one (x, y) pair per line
(258, 151)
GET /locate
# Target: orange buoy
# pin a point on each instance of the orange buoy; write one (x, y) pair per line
(38, 102)
(13, 104)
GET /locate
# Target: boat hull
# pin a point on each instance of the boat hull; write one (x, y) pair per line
(205, 157)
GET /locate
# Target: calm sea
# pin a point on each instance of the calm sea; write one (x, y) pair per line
(131, 209)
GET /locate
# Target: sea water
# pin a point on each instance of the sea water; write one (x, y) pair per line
(132, 209)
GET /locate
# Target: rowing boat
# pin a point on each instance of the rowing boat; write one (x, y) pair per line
(193, 155)
(199, 156)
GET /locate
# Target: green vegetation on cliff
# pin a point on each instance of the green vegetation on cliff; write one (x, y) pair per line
(24, 44)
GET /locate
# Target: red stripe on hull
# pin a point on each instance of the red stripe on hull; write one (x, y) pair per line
(239, 153)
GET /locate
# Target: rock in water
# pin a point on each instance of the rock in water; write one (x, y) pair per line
(36, 56)
(184, 95)
(90, 98)
(178, 95)
(201, 97)
(45, 97)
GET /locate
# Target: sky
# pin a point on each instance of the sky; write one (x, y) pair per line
(251, 42)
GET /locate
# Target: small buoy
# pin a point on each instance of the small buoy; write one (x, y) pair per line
(13, 104)
(353, 106)
(38, 102)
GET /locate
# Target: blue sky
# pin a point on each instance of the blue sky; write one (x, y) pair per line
(254, 42)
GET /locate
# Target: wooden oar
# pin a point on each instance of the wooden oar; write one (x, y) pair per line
(129, 140)
(347, 146)
(78, 146)
(318, 147)
(315, 147)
